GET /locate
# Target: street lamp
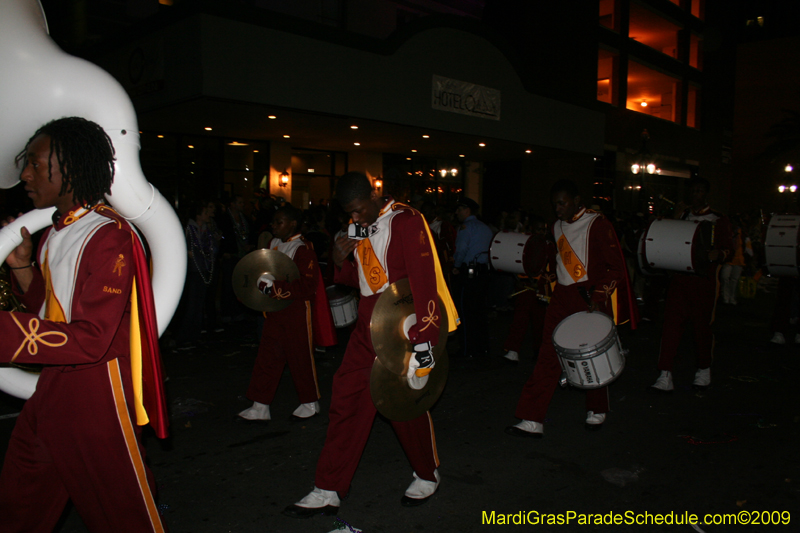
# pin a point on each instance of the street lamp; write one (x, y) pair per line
(643, 159)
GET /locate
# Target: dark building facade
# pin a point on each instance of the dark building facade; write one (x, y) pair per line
(492, 99)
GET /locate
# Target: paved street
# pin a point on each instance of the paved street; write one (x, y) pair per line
(732, 448)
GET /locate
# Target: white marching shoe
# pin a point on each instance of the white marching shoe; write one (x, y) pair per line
(664, 382)
(512, 356)
(318, 501)
(594, 421)
(420, 490)
(306, 410)
(526, 428)
(702, 379)
(778, 338)
(259, 411)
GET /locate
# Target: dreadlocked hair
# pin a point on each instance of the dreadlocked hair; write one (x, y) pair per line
(85, 156)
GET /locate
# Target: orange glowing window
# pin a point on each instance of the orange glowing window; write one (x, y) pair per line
(653, 93)
(609, 14)
(607, 75)
(653, 30)
(696, 51)
(693, 107)
(699, 9)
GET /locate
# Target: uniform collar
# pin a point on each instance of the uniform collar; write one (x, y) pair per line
(74, 214)
(577, 216)
(387, 206)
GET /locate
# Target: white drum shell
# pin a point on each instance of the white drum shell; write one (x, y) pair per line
(507, 251)
(781, 245)
(589, 350)
(668, 244)
(344, 308)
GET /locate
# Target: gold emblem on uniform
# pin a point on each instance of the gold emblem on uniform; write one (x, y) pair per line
(119, 264)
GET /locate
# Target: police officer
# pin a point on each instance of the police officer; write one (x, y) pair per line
(470, 277)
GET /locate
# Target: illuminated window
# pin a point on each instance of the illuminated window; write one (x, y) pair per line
(652, 30)
(653, 93)
(699, 8)
(696, 51)
(693, 107)
(609, 14)
(607, 69)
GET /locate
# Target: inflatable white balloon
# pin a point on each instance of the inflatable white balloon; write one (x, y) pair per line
(38, 83)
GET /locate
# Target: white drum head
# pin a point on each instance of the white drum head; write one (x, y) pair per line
(582, 329)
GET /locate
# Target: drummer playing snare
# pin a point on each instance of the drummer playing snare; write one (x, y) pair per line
(591, 275)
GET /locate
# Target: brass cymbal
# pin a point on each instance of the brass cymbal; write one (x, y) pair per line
(251, 267)
(391, 311)
(395, 400)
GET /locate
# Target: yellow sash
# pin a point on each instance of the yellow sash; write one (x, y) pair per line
(52, 307)
(374, 272)
(572, 264)
(136, 359)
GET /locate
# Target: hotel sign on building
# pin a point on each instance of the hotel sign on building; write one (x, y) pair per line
(465, 98)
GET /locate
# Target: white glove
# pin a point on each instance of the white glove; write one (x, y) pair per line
(265, 282)
(420, 365)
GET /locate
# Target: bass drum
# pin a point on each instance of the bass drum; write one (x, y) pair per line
(782, 245)
(518, 253)
(678, 245)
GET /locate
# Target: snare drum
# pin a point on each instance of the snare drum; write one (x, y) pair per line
(588, 349)
(518, 253)
(680, 245)
(782, 245)
(344, 305)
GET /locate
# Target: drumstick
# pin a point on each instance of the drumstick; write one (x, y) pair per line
(520, 292)
(662, 197)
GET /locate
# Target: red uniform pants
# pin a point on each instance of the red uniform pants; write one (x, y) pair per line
(75, 440)
(285, 339)
(689, 299)
(527, 310)
(538, 391)
(352, 414)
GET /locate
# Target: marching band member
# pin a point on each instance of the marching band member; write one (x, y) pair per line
(286, 337)
(92, 324)
(693, 298)
(397, 245)
(529, 308)
(591, 276)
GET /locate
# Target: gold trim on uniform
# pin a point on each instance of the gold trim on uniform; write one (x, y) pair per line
(32, 337)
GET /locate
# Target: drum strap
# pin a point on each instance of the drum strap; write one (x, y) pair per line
(585, 294)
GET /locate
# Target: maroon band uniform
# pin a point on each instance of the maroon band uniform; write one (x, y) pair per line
(398, 248)
(77, 437)
(692, 298)
(599, 274)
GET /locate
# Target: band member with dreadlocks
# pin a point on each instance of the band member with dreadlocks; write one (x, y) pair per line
(93, 327)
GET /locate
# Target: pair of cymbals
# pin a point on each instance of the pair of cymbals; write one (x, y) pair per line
(393, 314)
(251, 267)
